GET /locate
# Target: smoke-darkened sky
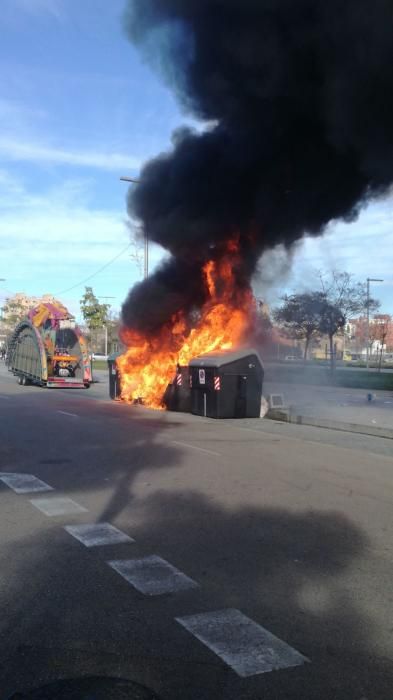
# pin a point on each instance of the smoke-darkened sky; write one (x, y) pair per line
(80, 106)
(300, 105)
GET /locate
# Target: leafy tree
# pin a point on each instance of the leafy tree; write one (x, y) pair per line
(300, 316)
(94, 313)
(332, 320)
(113, 325)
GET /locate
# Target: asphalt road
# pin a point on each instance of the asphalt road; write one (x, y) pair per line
(291, 526)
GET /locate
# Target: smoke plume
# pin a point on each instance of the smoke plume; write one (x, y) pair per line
(299, 100)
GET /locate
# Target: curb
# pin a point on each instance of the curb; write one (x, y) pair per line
(346, 427)
(330, 424)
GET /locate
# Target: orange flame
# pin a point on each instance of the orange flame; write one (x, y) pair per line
(149, 364)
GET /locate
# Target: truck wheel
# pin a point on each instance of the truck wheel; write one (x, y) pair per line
(87, 386)
(20, 380)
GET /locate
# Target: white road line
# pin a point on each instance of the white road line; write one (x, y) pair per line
(57, 506)
(245, 646)
(97, 534)
(65, 413)
(194, 447)
(152, 575)
(25, 483)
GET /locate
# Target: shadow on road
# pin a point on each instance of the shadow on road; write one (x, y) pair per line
(291, 571)
(285, 570)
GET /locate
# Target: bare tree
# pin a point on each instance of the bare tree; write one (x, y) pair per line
(343, 298)
(137, 245)
(349, 296)
(381, 328)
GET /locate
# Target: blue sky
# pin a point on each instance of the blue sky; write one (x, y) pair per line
(78, 108)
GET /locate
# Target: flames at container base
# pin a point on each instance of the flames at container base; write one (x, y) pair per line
(223, 323)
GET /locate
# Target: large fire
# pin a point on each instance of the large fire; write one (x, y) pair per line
(150, 363)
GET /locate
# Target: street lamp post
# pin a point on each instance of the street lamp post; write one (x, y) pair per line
(125, 178)
(369, 279)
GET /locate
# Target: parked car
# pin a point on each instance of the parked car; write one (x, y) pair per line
(99, 356)
(291, 358)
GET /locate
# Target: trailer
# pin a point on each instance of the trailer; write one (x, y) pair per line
(48, 349)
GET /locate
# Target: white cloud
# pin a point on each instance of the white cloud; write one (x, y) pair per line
(54, 240)
(54, 8)
(14, 150)
(362, 248)
(24, 138)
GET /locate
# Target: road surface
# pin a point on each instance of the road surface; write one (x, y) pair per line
(250, 559)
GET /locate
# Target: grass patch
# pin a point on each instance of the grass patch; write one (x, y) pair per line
(364, 380)
(321, 376)
(100, 364)
(315, 375)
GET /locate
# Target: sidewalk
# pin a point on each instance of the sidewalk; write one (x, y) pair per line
(324, 404)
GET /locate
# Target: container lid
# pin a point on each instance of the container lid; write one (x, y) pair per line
(219, 359)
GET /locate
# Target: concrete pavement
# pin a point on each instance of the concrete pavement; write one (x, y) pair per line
(349, 406)
(290, 526)
(338, 404)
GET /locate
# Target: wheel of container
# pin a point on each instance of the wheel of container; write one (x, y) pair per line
(87, 385)
(20, 381)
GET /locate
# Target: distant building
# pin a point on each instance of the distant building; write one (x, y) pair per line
(380, 334)
(17, 306)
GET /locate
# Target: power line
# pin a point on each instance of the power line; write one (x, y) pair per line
(63, 291)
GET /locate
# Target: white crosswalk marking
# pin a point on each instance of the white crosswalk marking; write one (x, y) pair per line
(97, 534)
(245, 646)
(152, 575)
(24, 483)
(57, 506)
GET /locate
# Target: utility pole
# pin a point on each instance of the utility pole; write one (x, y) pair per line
(125, 178)
(369, 279)
(106, 327)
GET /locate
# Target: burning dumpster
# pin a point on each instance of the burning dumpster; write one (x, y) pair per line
(177, 396)
(114, 377)
(227, 384)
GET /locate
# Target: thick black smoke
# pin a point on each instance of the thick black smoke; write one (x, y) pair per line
(300, 99)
